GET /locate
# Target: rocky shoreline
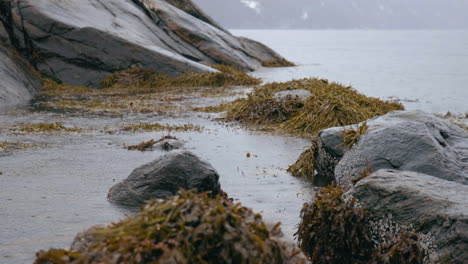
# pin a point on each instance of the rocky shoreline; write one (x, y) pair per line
(397, 180)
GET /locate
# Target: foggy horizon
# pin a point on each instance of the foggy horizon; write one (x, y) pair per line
(339, 14)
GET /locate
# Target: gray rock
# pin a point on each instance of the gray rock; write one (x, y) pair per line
(401, 140)
(259, 51)
(219, 45)
(329, 153)
(429, 204)
(169, 144)
(18, 83)
(191, 8)
(85, 238)
(164, 177)
(300, 94)
(80, 42)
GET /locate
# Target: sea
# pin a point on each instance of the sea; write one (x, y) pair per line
(425, 70)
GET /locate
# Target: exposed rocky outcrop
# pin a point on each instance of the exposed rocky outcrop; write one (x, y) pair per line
(80, 42)
(191, 8)
(18, 82)
(431, 205)
(401, 140)
(164, 177)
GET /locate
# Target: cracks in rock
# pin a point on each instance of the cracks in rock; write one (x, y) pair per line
(6, 19)
(160, 23)
(28, 43)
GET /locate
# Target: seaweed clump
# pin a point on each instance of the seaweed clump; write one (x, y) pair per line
(406, 248)
(333, 230)
(330, 105)
(47, 127)
(225, 76)
(187, 228)
(161, 127)
(351, 136)
(139, 90)
(337, 230)
(147, 145)
(10, 146)
(282, 62)
(305, 166)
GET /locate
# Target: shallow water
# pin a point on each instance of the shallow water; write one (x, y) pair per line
(427, 69)
(48, 195)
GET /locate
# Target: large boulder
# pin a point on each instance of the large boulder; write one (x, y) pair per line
(18, 82)
(164, 177)
(430, 205)
(401, 140)
(80, 42)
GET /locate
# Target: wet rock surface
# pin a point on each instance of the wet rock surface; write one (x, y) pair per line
(431, 205)
(168, 145)
(81, 42)
(401, 140)
(164, 177)
(18, 83)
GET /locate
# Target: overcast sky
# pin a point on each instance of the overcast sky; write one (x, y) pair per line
(339, 14)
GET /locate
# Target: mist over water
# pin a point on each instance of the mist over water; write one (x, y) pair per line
(428, 70)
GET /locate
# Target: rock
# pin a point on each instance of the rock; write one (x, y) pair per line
(191, 8)
(85, 238)
(259, 50)
(433, 206)
(222, 47)
(18, 82)
(328, 154)
(401, 140)
(169, 144)
(164, 177)
(300, 94)
(81, 42)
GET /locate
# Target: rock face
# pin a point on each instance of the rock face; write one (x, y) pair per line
(164, 177)
(431, 205)
(80, 42)
(401, 140)
(18, 83)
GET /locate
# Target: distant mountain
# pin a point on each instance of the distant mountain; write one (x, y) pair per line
(339, 14)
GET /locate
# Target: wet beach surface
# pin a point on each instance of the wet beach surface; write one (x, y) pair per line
(51, 192)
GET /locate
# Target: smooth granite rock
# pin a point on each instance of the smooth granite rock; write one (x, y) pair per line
(163, 178)
(18, 82)
(432, 206)
(80, 42)
(401, 140)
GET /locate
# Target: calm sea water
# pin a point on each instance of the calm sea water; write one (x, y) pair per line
(427, 69)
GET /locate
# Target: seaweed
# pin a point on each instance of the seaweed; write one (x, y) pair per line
(187, 228)
(146, 145)
(404, 248)
(350, 136)
(139, 90)
(224, 76)
(281, 62)
(160, 127)
(10, 146)
(333, 230)
(330, 105)
(305, 166)
(47, 127)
